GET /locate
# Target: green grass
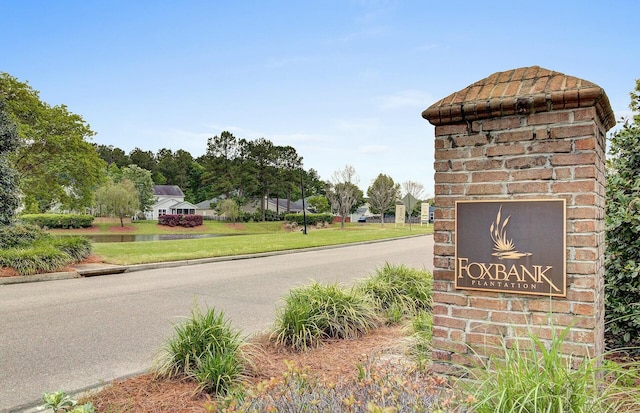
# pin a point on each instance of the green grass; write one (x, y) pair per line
(208, 227)
(253, 242)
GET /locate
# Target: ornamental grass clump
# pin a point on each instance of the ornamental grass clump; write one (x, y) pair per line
(398, 291)
(78, 247)
(542, 378)
(205, 349)
(317, 312)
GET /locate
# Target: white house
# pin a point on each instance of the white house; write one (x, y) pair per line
(169, 200)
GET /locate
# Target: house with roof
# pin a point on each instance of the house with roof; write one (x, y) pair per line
(169, 200)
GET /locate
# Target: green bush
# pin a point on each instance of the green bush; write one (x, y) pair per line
(41, 257)
(317, 312)
(206, 349)
(312, 219)
(542, 378)
(64, 221)
(622, 260)
(399, 291)
(20, 235)
(77, 247)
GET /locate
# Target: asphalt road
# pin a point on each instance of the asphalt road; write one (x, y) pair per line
(79, 333)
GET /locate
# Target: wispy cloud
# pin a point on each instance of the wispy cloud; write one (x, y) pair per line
(404, 99)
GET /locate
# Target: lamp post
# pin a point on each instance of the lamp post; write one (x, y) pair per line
(304, 212)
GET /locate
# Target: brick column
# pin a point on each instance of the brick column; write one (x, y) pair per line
(521, 134)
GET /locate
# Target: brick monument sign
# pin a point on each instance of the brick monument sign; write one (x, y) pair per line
(519, 214)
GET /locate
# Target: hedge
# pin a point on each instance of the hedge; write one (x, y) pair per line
(187, 221)
(312, 219)
(58, 220)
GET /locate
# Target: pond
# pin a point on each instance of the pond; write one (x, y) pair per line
(100, 238)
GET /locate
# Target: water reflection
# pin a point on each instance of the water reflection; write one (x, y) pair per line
(100, 238)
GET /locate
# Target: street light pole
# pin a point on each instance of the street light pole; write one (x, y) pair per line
(304, 212)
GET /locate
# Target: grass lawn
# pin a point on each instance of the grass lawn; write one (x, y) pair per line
(252, 238)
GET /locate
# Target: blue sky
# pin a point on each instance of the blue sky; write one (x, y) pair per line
(344, 82)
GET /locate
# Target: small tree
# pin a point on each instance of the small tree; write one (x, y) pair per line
(343, 193)
(120, 199)
(413, 189)
(229, 209)
(9, 141)
(622, 261)
(141, 179)
(383, 194)
(320, 204)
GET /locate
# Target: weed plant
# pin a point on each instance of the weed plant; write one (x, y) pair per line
(317, 312)
(398, 291)
(205, 349)
(544, 379)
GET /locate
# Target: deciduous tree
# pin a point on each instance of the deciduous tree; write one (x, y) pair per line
(344, 194)
(383, 194)
(120, 199)
(56, 162)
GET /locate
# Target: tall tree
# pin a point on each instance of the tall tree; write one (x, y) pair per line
(145, 160)
(289, 168)
(141, 179)
(343, 193)
(222, 165)
(112, 155)
(383, 194)
(622, 260)
(413, 190)
(9, 142)
(262, 164)
(56, 162)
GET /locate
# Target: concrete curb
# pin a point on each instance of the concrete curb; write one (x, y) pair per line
(91, 270)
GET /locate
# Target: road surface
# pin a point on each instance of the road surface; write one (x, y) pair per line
(79, 333)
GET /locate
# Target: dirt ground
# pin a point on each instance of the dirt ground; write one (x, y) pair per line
(331, 362)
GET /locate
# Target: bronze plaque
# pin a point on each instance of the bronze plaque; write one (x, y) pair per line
(511, 246)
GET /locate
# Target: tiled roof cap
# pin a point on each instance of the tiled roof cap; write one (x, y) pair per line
(520, 91)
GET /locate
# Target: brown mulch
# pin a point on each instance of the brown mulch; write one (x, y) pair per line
(332, 362)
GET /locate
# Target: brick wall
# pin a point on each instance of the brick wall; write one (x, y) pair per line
(521, 136)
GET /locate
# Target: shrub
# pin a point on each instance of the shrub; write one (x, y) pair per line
(58, 220)
(206, 349)
(77, 247)
(316, 312)
(622, 261)
(312, 219)
(398, 291)
(20, 235)
(187, 221)
(543, 378)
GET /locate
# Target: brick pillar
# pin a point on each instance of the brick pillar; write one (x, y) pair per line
(521, 134)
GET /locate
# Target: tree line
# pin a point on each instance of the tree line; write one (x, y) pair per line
(59, 168)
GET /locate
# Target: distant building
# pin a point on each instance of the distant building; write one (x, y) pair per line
(169, 201)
